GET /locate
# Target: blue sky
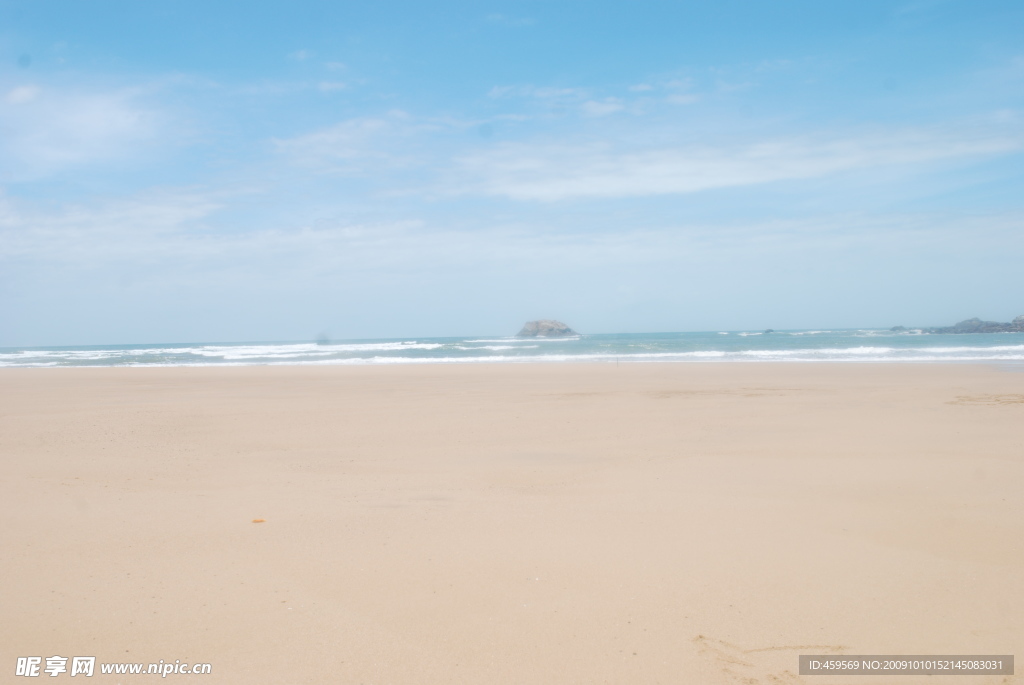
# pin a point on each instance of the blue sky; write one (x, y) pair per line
(171, 171)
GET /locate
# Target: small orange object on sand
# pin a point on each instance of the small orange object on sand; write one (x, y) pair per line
(259, 520)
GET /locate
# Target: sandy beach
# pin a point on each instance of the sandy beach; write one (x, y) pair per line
(511, 523)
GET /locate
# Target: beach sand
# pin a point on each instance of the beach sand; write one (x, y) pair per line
(563, 523)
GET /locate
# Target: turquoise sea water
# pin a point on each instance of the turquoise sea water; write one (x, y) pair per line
(745, 346)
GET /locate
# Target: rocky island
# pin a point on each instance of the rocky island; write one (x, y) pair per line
(545, 328)
(974, 325)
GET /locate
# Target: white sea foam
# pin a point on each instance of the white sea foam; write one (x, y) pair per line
(639, 348)
(497, 347)
(824, 351)
(706, 355)
(307, 350)
(995, 348)
(225, 352)
(523, 341)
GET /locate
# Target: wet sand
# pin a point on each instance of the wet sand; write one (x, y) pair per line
(570, 523)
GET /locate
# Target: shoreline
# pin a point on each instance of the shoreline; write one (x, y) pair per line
(484, 362)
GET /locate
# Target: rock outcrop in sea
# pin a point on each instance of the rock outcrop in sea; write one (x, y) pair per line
(545, 328)
(974, 325)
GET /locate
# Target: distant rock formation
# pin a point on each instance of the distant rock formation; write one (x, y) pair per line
(545, 328)
(974, 325)
(978, 326)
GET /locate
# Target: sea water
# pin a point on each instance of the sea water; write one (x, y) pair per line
(855, 345)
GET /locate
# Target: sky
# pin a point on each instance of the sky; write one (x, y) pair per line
(265, 171)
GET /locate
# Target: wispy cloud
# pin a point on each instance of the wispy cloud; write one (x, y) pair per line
(331, 86)
(171, 229)
(102, 231)
(600, 108)
(537, 92)
(366, 140)
(391, 142)
(22, 95)
(591, 102)
(47, 130)
(531, 171)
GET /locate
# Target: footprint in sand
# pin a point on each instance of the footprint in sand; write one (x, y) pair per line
(758, 665)
(988, 400)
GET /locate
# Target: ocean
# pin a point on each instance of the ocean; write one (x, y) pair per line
(855, 345)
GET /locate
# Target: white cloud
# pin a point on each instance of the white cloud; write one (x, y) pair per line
(678, 83)
(386, 143)
(555, 172)
(52, 130)
(87, 233)
(682, 99)
(599, 108)
(540, 93)
(364, 139)
(174, 231)
(22, 95)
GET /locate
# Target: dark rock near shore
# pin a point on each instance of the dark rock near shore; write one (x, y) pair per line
(545, 328)
(974, 325)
